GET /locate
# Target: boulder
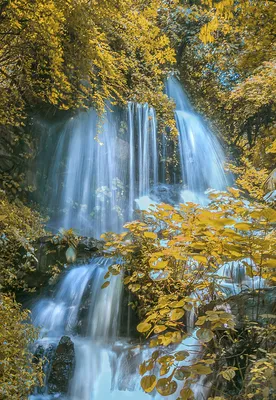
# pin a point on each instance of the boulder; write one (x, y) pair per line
(62, 366)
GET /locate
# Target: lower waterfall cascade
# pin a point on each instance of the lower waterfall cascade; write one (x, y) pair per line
(94, 186)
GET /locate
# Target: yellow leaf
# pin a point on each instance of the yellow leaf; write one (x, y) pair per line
(269, 214)
(243, 226)
(228, 374)
(143, 327)
(158, 264)
(166, 387)
(186, 394)
(159, 328)
(127, 280)
(104, 285)
(164, 370)
(177, 304)
(148, 383)
(142, 368)
(200, 259)
(270, 263)
(177, 314)
(150, 235)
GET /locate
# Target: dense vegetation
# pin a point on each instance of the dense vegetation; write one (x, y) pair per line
(172, 257)
(66, 55)
(19, 373)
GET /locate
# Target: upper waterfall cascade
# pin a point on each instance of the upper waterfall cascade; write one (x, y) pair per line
(93, 186)
(201, 156)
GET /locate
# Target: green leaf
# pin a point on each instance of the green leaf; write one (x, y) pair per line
(201, 369)
(204, 335)
(181, 355)
(182, 373)
(107, 275)
(155, 355)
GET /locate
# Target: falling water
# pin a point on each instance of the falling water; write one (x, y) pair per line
(94, 186)
(106, 365)
(201, 156)
(98, 168)
(233, 277)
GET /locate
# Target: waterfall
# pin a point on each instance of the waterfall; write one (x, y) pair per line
(91, 184)
(94, 185)
(106, 365)
(201, 156)
(60, 315)
(98, 168)
(234, 279)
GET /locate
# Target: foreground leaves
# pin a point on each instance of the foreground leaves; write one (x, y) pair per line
(19, 373)
(169, 282)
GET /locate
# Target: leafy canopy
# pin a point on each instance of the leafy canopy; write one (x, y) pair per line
(78, 53)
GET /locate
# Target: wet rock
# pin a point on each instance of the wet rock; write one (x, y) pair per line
(50, 254)
(62, 367)
(164, 193)
(89, 247)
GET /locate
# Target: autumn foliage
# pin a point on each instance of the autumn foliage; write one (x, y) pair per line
(170, 258)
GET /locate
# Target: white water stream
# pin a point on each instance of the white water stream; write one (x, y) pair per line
(93, 187)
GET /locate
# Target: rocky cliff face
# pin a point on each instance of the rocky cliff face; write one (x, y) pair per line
(51, 262)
